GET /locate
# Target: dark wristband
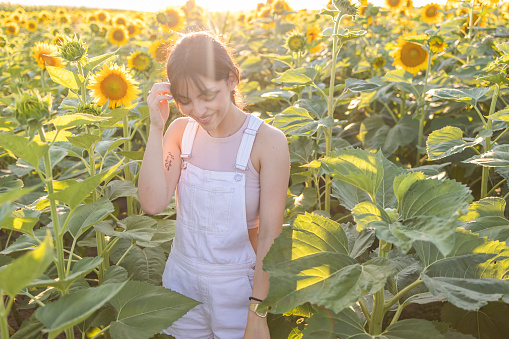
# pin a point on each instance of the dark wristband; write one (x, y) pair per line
(256, 299)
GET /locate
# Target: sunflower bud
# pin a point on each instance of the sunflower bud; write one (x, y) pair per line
(89, 109)
(346, 7)
(31, 109)
(3, 41)
(296, 42)
(73, 49)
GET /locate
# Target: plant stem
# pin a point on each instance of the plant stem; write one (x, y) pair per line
(377, 317)
(470, 24)
(390, 111)
(365, 310)
(424, 108)
(496, 186)
(4, 326)
(102, 331)
(488, 144)
(83, 85)
(499, 136)
(125, 253)
(127, 171)
(401, 293)
(398, 313)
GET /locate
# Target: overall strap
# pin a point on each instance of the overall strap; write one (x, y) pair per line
(246, 145)
(188, 139)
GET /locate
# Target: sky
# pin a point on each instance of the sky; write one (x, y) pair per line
(214, 5)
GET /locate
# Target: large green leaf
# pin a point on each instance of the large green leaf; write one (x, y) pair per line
(357, 167)
(30, 151)
(22, 221)
(76, 193)
(297, 121)
(325, 324)
(399, 75)
(316, 107)
(348, 195)
(502, 115)
(367, 212)
(119, 188)
(357, 85)
(470, 95)
(26, 242)
(486, 218)
(30, 329)
(385, 196)
(296, 77)
(64, 77)
(309, 263)
(497, 157)
(140, 228)
(406, 329)
(490, 321)
(145, 264)
(401, 134)
(84, 140)
(62, 122)
(433, 197)
(71, 309)
(87, 215)
(448, 141)
(145, 309)
(30, 266)
(403, 182)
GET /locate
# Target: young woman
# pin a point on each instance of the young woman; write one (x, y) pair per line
(231, 171)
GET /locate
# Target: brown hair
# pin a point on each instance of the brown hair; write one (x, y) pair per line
(199, 53)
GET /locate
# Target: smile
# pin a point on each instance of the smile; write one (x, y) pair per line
(205, 119)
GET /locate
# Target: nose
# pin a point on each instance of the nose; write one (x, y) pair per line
(199, 108)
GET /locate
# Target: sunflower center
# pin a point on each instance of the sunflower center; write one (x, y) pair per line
(101, 16)
(412, 55)
(10, 29)
(114, 87)
(121, 21)
(394, 3)
(431, 12)
(140, 62)
(118, 35)
(173, 19)
(31, 25)
(131, 29)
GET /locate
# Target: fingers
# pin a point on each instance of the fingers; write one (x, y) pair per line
(158, 89)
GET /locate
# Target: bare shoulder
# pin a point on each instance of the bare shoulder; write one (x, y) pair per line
(176, 129)
(270, 145)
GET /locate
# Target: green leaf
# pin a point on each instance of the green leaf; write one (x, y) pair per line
(399, 75)
(490, 320)
(325, 324)
(30, 329)
(30, 151)
(84, 140)
(145, 309)
(63, 122)
(367, 212)
(401, 134)
(470, 95)
(348, 195)
(25, 242)
(22, 221)
(145, 264)
(114, 116)
(486, 218)
(315, 106)
(502, 115)
(297, 121)
(71, 309)
(77, 192)
(119, 188)
(357, 86)
(346, 35)
(497, 157)
(411, 328)
(65, 78)
(448, 141)
(30, 266)
(296, 77)
(308, 263)
(85, 216)
(96, 61)
(357, 167)
(433, 197)
(403, 182)
(385, 196)
(140, 228)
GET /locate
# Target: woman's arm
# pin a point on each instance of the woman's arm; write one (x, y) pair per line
(274, 176)
(160, 168)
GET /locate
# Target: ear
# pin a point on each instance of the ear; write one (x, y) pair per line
(232, 81)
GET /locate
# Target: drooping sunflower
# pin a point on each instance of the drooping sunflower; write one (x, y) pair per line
(114, 84)
(395, 6)
(140, 61)
(174, 19)
(31, 25)
(296, 42)
(437, 44)
(42, 53)
(409, 56)
(432, 14)
(12, 28)
(118, 36)
(159, 50)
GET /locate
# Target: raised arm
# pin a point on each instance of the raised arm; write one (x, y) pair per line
(160, 168)
(274, 175)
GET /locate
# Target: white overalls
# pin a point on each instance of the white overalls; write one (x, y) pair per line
(212, 260)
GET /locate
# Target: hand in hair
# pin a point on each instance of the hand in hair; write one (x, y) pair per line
(158, 104)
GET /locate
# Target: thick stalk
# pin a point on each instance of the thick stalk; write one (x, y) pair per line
(328, 132)
(377, 317)
(401, 293)
(424, 108)
(83, 85)
(4, 326)
(488, 144)
(127, 171)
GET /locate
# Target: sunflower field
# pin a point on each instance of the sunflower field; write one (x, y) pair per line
(396, 118)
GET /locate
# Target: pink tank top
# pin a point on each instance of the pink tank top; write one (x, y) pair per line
(219, 154)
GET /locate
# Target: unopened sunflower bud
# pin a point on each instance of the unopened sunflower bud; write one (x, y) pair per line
(72, 49)
(346, 7)
(31, 109)
(296, 42)
(89, 109)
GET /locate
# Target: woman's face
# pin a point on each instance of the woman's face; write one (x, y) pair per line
(208, 106)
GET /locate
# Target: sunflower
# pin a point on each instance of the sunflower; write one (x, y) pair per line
(159, 50)
(379, 62)
(58, 39)
(45, 16)
(173, 19)
(134, 28)
(114, 84)
(42, 53)
(432, 14)
(140, 61)
(19, 10)
(313, 33)
(296, 42)
(409, 56)
(280, 6)
(395, 6)
(64, 19)
(118, 36)
(489, 3)
(3, 41)
(31, 25)
(102, 15)
(61, 11)
(91, 18)
(505, 10)
(12, 28)
(437, 44)
(119, 20)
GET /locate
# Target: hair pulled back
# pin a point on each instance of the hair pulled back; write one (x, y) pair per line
(199, 53)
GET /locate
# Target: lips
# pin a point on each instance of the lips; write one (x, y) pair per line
(205, 120)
